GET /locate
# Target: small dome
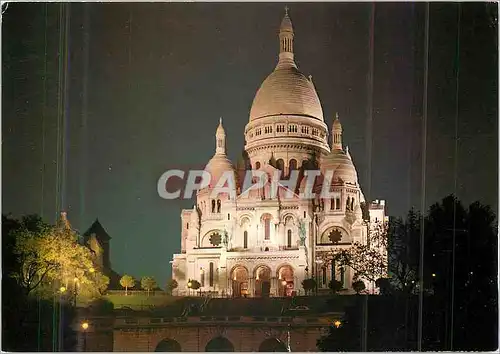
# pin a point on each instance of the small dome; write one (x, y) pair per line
(342, 166)
(220, 129)
(286, 91)
(336, 123)
(217, 166)
(286, 24)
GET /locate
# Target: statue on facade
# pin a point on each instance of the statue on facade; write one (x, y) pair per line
(302, 238)
(302, 233)
(225, 238)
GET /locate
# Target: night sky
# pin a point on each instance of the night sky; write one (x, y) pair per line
(147, 83)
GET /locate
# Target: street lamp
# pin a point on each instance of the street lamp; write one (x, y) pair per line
(189, 284)
(337, 324)
(62, 289)
(85, 326)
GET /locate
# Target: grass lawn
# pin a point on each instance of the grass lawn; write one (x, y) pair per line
(138, 301)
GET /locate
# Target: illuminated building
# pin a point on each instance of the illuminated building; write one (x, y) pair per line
(257, 244)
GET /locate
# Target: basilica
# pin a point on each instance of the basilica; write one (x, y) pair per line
(259, 243)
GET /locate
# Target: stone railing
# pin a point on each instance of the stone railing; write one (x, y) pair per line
(286, 248)
(284, 320)
(212, 216)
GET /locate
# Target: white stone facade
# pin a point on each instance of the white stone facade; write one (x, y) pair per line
(253, 244)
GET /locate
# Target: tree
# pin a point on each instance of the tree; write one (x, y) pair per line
(148, 284)
(460, 271)
(47, 257)
(27, 320)
(358, 286)
(461, 264)
(404, 250)
(195, 284)
(171, 285)
(368, 261)
(127, 281)
(309, 284)
(385, 286)
(335, 285)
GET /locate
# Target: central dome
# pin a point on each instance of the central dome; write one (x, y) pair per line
(286, 91)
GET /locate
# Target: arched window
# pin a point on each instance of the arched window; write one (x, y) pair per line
(332, 204)
(187, 226)
(211, 274)
(218, 205)
(352, 203)
(202, 277)
(245, 239)
(280, 165)
(324, 275)
(257, 165)
(292, 165)
(342, 272)
(348, 203)
(289, 239)
(229, 216)
(304, 214)
(337, 203)
(219, 143)
(213, 205)
(267, 228)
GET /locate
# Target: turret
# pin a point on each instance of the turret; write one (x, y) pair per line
(337, 134)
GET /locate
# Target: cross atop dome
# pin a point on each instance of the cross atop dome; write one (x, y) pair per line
(286, 42)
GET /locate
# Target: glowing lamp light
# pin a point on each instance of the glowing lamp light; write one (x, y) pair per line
(85, 326)
(283, 282)
(91, 270)
(337, 324)
(62, 289)
(189, 284)
(433, 275)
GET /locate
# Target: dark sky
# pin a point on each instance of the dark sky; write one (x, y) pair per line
(147, 83)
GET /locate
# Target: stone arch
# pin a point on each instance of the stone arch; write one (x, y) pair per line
(280, 165)
(289, 219)
(239, 280)
(272, 345)
(245, 219)
(168, 345)
(266, 220)
(266, 216)
(206, 240)
(262, 276)
(219, 344)
(286, 275)
(334, 234)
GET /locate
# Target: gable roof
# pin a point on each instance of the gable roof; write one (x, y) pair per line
(99, 232)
